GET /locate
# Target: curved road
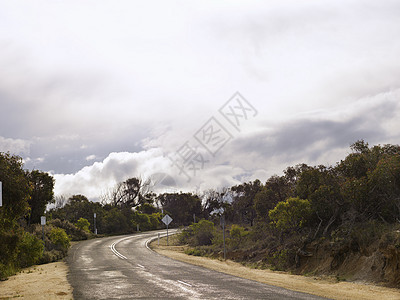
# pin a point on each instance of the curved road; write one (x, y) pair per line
(122, 267)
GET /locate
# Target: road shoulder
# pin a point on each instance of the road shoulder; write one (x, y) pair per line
(325, 287)
(47, 281)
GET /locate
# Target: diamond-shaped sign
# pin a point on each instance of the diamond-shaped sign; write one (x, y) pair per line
(166, 220)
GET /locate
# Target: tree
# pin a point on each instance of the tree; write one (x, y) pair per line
(115, 222)
(42, 194)
(214, 202)
(243, 200)
(276, 189)
(383, 200)
(129, 193)
(16, 190)
(181, 206)
(78, 206)
(146, 208)
(290, 214)
(321, 186)
(83, 224)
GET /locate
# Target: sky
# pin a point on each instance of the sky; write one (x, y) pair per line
(194, 95)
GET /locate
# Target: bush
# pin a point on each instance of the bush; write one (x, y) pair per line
(281, 260)
(198, 234)
(30, 250)
(8, 254)
(74, 232)
(51, 256)
(60, 239)
(195, 252)
(290, 214)
(115, 221)
(143, 220)
(237, 235)
(83, 224)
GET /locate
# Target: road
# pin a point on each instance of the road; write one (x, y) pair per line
(122, 267)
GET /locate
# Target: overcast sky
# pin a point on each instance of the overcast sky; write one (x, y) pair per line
(96, 92)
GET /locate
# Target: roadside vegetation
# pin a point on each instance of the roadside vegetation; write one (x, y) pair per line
(341, 220)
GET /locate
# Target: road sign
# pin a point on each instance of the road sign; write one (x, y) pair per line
(166, 220)
(43, 222)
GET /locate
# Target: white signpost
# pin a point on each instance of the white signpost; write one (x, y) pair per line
(43, 222)
(166, 220)
(1, 194)
(94, 225)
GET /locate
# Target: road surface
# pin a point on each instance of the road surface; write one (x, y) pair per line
(122, 267)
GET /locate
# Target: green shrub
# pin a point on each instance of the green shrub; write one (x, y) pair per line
(198, 234)
(280, 260)
(51, 256)
(60, 239)
(30, 250)
(290, 214)
(143, 220)
(8, 254)
(83, 224)
(74, 232)
(155, 220)
(115, 221)
(237, 235)
(194, 252)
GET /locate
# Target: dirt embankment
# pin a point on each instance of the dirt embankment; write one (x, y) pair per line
(377, 263)
(322, 286)
(47, 281)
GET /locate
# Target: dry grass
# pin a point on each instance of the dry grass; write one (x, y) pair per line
(326, 287)
(47, 281)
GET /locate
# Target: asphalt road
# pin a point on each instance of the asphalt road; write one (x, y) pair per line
(122, 267)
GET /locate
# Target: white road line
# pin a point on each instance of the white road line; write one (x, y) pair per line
(115, 251)
(185, 283)
(146, 244)
(153, 239)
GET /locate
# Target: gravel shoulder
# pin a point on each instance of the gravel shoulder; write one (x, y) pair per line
(325, 287)
(47, 281)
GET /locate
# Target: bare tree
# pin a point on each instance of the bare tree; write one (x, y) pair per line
(129, 193)
(60, 201)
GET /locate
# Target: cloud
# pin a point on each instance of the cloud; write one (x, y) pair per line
(90, 157)
(321, 137)
(115, 91)
(94, 180)
(152, 164)
(15, 146)
(313, 138)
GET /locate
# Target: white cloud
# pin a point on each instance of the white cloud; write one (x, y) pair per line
(91, 157)
(125, 83)
(15, 146)
(94, 180)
